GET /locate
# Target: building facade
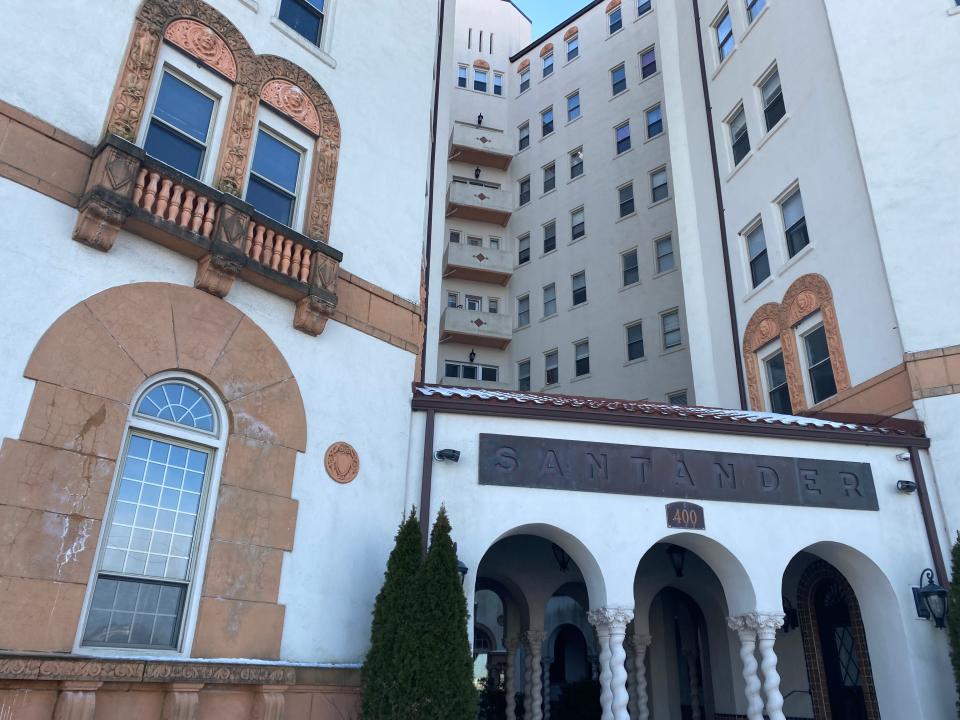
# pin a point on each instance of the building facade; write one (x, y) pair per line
(218, 298)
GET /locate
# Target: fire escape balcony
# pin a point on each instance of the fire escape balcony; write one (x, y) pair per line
(473, 327)
(482, 264)
(469, 201)
(478, 145)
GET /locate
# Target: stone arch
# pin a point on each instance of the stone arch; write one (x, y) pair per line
(524, 65)
(89, 364)
(612, 5)
(210, 37)
(571, 31)
(546, 50)
(482, 64)
(805, 296)
(514, 603)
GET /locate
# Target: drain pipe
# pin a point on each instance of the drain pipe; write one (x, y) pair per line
(426, 478)
(928, 523)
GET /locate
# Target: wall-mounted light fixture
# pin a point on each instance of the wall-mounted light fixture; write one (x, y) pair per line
(472, 356)
(931, 599)
(463, 570)
(560, 555)
(479, 119)
(476, 173)
(447, 454)
(903, 457)
(907, 487)
(791, 618)
(678, 557)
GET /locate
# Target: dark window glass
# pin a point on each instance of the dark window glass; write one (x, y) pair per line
(525, 191)
(671, 330)
(498, 84)
(548, 65)
(573, 47)
(546, 122)
(658, 185)
(626, 200)
(618, 79)
(740, 137)
(643, 7)
(578, 226)
(795, 222)
(480, 80)
(523, 255)
(549, 237)
(635, 342)
(623, 138)
(469, 372)
(552, 367)
(573, 106)
(819, 366)
(132, 613)
(757, 251)
(773, 105)
(273, 178)
(524, 81)
(178, 130)
(582, 359)
(725, 40)
(523, 311)
(304, 16)
(754, 7)
(549, 177)
(579, 288)
(616, 20)
(779, 392)
(648, 63)
(631, 268)
(451, 370)
(524, 136)
(550, 300)
(576, 164)
(654, 121)
(523, 375)
(678, 398)
(489, 374)
(664, 255)
(462, 77)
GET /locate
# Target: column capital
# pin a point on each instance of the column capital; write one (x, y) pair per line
(610, 617)
(533, 638)
(511, 643)
(767, 623)
(641, 641)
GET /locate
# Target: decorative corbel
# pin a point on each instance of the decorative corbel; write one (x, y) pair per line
(106, 200)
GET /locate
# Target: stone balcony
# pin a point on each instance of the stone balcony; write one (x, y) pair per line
(476, 202)
(482, 264)
(478, 145)
(476, 328)
(228, 237)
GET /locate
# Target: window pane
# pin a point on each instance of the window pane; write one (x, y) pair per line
(776, 371)
(792, 210)
(184, 107)
(462, 77)
(489, 374)
(549, 300)
(623, 138)
(469, 372)
(548, 64)
(135, 614)
(822, 381)
(180, 404)
(576, 164)
(551, 365)
(480, 80)
(173, 149)
(648, 63)
(739, 137)
(271, 202)
(582, 358)
(635, 342)
(524, 80)
(817, 350)
(631, 270)
(626, 200)
(497, 83)
(579, 282)
(550, 237)
(549, 178)
(578, 226)
(671, 329)
(573, 47)
(304, 16)
(523, 311)
(658, 181)
(618, 79)
(451, 370)
(523, 375)
(664, 254)
(654, 121)
(679, 398)
(277, 162)
(759, 260)
(725, 39)
(754, 7)
(573, 106)
(643, 6)
(616, 20)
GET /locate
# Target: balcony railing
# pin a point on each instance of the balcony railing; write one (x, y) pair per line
(476, 328)
(483, 264)
(477, 202)
(228, 237)
(478, 145)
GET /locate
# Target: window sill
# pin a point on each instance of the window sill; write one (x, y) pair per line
(648, 13)
(548, 253)
(552, 386)
(578, 378)
(579, 305)
(576, 240)
(648, 77)
(252, 4)
(642, 358)
(517, 267)
(795, 259)
(743, 161)
(671, 351)
(619, 94)
(659, 135)
(723, 63)
(520, 329)
(618, 155)
(631, 286)
(568, 62)
(629, 216)
(523, 92)
(954, 11)
(548, 192)
(753, 23)
(776, 128)
(574, 179)
(666, 272)
(522, 150)
(548, 135)
(303, 42)
(547, 317)
(613, 34)
(571, 122)
(652, 205)
(764, 284)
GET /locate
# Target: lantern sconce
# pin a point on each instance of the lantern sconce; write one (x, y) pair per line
(678, 557)
(931, 599)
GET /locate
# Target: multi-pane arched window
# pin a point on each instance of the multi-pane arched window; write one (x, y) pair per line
(155, 526)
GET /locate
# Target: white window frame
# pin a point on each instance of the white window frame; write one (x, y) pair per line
(646, 121)
(547, 61)
(663, 334)
(636, 253)
(620, 202)
(728, 122)
(299, 140)
(656, 258)
(577, 345)
(626, 342)
(768, 74)
(805, 327)
(571, 155)
(572, 40)
(763, 357)
(553, 288)
(216, 443)
(662, 168)
(756, 222)
(546, 369)
(529, 365)
(579, 108)
(456, 299)
(471, 299)
(717, 42)
(205, 81)
(610, 30)
(321, 50)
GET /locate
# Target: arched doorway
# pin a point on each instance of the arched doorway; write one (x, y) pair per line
(835, 645)
(684, 633)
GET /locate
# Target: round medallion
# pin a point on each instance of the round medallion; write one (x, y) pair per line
(342, 462)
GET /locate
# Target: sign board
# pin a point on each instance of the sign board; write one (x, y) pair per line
(686, 516)
(548, 464)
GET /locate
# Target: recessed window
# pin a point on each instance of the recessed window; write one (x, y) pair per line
(739, 137)
(573, 47)
(180, 126)
(474, 303)
(819, 367)
(471, 371)
(523, 375)
(658, 185)
(469, 38)
(455, 236)
(635, 341)
(615, 20)
(578, 225)
(778, 391)
(462, 76)
(524, 136)
(274, 177)
(493, 305)
(474, 241)
(524, 191)
(678, 398)
(549, 300)
(549, 237)
(523, 249)
(581, 357)
(548, 64)
(648, 62)
(494, 243)
(497, 81)
(643, 7)
(625, 200)
(654, 121)
(304, 16)
(523, 311)
(622, 133)
(773, 105)
(757, 254)
(551, 366)
(618, 79)
(549, 177)
(670, 324)
(630, 267)
(576, 163)
(579, 284)
(664, 252)
(154, 525)
(546, 122)
(795, 223)
(573, 106)
(453, 299)
(480, 80)
(524, 80)
(723, 28)
(754, 7)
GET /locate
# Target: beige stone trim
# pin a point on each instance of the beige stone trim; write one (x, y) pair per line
(934, 372)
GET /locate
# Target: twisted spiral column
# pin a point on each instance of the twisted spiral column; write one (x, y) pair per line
(618, 657)
(511, 679)
(744, 626)
(767, 625)
(527, 677)
(535, 640)
(640, 645)
(598, 619)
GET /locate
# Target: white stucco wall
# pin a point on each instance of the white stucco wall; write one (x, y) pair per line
(381, 88)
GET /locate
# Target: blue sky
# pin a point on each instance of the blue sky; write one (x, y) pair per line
(548, 13)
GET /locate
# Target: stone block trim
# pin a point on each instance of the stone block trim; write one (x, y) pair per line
(55, 479)
(934, 372)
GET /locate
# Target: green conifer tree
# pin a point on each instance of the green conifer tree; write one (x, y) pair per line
(386, 673)
(444, 672)
(953, 616)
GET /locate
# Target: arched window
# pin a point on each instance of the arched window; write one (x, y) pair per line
(155, 528)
